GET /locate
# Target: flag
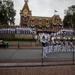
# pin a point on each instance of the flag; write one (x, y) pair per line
(55, 10)
(26, 0)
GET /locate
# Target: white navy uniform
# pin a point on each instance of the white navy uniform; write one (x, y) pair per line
(47, 42)
(71, 46)
(66, 46)
(44, 47)
(55, 46)
(50, 47)
(42, 38)
(63, 46)
(58, 45)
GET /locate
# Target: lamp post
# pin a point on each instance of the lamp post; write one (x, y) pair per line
(73, 55)
(72, 40)
(73, 45)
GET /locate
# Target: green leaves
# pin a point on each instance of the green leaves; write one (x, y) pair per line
(7, 13)
(69, 19)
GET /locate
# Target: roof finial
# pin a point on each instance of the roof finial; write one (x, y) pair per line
(26, 0)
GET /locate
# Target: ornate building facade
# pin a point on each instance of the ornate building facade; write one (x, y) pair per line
(37, 23)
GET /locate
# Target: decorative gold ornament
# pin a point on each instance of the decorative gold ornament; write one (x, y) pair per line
(25, 12)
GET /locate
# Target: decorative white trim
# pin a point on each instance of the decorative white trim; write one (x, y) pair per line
(54, 24)
(47, 26)
(32, 25)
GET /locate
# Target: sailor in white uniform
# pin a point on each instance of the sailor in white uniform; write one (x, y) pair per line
(44, 46)
(66, 46)
(43, 40)
(50, 46)
(58, 45)
(71, 46)
(63, 46)
(47, 36)
(54, 44)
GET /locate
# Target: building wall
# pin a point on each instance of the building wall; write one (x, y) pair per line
(38, 21)
(23, 43)
(7, 36)
(24, 36)
(20, 36)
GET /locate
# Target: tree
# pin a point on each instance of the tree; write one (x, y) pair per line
(7, 13)
(1, 13)
(69, 19)
(73, 20)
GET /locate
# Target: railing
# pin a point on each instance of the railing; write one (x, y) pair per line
(32, 57)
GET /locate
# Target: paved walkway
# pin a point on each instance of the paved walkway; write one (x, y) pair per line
(31, 54)
(28, 56)
(15, 61)
(52, 70)
(29, 47)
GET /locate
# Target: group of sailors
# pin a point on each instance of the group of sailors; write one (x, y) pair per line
(50, 45)
(65, 32)
(15, 30)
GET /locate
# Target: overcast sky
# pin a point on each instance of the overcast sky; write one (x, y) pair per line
(43, 7)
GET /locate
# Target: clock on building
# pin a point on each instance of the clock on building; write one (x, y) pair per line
(25, 12)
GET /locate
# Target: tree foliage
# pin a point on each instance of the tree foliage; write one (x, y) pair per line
(7, 13)
(69, 19)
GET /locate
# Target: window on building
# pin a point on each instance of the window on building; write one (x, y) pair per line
(47, 21)
(39, 27)
(40, 21)
(47, 27)
(32, 21)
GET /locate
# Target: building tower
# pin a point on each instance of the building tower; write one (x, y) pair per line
(39, 23)
(25, 13)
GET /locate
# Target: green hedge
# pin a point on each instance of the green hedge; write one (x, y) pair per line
(16, 39)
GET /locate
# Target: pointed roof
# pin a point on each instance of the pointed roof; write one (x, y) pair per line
(25, 6)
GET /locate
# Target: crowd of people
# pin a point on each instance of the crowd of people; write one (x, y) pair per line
(51, 44)
(15, 30)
